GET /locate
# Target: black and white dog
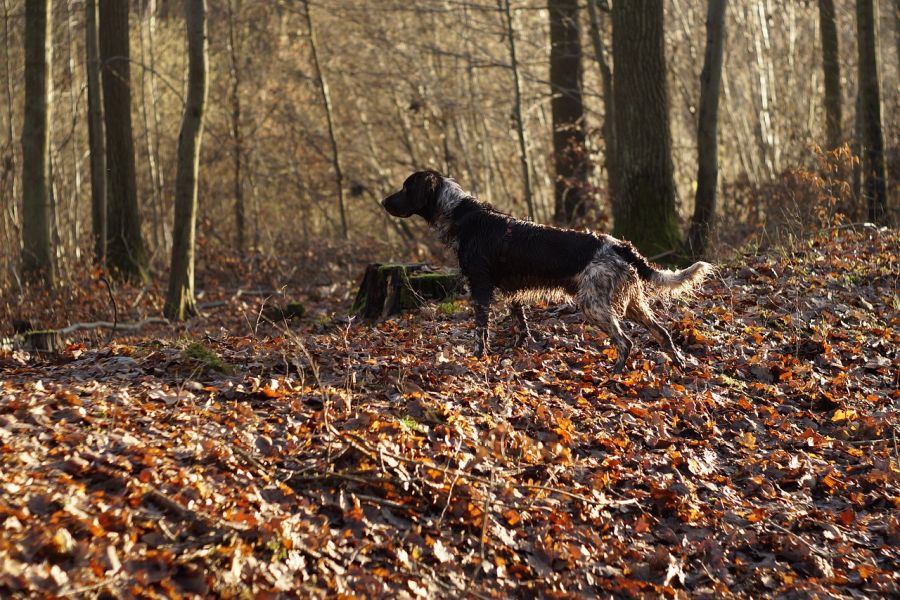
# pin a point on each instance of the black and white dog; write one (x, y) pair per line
(607, 277)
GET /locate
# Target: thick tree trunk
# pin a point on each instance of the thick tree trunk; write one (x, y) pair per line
(124, 245)
(831, 66)
(567, 107)
(644, 208)
(96, 141)
(37, 253)
(503, 5)
(329, 115)
(872, 136)
(180, 298)
(609, 104)
(707, 130)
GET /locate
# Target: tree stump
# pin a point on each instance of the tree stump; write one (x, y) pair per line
(386, 289)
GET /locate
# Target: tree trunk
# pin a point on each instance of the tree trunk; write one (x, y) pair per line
(152, 166)
(180, 298)
(503, 5)
(234, 50)
(707, 130)
(569, 153)
(329, 115)
(609, 105)
(37, 253)
(644, 208)
(124, 245)
(96, 141)
(872, 137)
(831, 66)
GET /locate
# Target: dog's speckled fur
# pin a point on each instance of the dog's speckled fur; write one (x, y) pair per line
(607, 277)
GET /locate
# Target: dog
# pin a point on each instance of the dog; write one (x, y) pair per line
(607, 277)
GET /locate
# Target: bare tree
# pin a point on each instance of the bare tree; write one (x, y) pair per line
(644, 208)
(234, 52)
(329, 115)
(96, 141)
(567, 108)
(872, 136)
(125, 247)
(37, 253)
(831, 66)
(707, 130)
(609, 104)
(180, 297)
(503, 5)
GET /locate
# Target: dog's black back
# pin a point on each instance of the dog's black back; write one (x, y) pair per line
(515, 255)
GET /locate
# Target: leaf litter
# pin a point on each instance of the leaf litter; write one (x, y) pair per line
(331, 457)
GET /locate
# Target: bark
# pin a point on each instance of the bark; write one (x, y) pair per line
(96, 141)
(180, 298)
(125, 252)
(831, 67)
(37, 253)
(707, 130)
(567, 107)
(329, 115)
(644, 208)
(609, 106)
(503, 5)
(872, 135)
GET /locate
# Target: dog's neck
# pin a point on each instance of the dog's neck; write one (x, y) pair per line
(451, 199)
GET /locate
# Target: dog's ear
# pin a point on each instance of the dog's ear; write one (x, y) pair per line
(427, 184)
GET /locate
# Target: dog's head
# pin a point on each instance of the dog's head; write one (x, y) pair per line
(418, 195)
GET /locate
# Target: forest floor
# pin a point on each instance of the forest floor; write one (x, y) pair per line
(235, 456)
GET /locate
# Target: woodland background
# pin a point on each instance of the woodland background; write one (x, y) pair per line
(426, 84)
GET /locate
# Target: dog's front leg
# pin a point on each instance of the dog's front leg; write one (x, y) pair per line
(481, 302)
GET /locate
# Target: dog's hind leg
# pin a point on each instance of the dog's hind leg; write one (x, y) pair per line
(640, 313)
(603, 317)
(481, 303)
(520, 323)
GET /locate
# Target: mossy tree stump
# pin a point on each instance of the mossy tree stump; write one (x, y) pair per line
(386, 289)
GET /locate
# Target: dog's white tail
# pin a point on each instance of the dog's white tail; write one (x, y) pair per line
(677, 282)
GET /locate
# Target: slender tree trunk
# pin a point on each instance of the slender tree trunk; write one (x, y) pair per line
(234, 50)
(503, 5)
(609, 105)
(329, 114)
(180, 298)
(37, 253)
(159, 181)
(644, 209)
(96, 140)
(74, 145)
(152, 166)
(873, 165)
(831, 66)
(707, 130)
(569, 153)
(9, 166)
(125, 253)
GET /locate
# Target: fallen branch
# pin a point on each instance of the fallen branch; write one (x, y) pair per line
(116, 326)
